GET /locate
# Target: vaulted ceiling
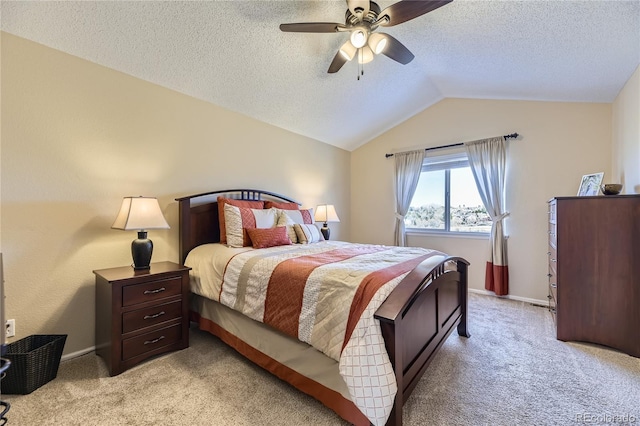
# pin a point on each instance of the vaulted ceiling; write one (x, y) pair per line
(232, 54)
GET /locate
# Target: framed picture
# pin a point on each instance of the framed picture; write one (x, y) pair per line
(590, 184)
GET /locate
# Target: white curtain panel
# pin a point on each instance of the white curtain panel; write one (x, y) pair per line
(488, 161)
(407, 174)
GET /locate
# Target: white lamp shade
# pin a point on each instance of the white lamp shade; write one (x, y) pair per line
(377, 42)
(326, 213)
(358, 37)
(365, 55)
(138, 213)
(348, 51)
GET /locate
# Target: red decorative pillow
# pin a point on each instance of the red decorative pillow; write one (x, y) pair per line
(269, 237)
(237, 203)
(282, 206)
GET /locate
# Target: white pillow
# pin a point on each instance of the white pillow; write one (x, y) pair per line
(301, 216)
(238, 219)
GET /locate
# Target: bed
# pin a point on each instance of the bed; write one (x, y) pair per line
(414, 318)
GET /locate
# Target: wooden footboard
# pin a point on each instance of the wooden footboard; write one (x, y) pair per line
(417, 318)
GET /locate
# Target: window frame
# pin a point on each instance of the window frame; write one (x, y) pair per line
(446, 162)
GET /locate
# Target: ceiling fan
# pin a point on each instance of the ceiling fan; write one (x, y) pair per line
(363, 17)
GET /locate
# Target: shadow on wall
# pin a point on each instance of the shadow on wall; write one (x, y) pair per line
(65, 320)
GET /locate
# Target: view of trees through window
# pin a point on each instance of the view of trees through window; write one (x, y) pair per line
(429, 206)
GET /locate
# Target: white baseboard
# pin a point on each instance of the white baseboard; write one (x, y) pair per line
(518, 298)
(78, 353)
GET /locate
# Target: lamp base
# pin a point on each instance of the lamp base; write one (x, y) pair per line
(326, 232)
(141, 250)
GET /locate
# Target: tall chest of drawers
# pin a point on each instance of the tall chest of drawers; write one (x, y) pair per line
(141, 313)
(594, 270)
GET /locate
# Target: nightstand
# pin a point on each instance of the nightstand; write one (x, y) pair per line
(141, 313)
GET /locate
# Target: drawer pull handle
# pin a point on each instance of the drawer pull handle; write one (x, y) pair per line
(150, 342)
(553, 260)
(159, 290)
(159, 314)
(553, 285)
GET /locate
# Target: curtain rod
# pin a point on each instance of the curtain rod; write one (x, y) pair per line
(512, 135)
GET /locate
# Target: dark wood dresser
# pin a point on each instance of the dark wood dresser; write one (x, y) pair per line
(594, 270)
(141, 313)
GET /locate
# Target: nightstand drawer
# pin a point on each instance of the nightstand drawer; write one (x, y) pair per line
(151, 341)
(153, 315)
(147, 292)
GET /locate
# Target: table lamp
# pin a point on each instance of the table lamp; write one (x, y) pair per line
(326, 213)
(140, 213)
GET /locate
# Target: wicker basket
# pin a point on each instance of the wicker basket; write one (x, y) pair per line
(34, 362)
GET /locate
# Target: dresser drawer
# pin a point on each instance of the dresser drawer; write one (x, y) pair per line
(553, 293)
(147, 292)
(553, 212)
(153, 315)
(553, 260)
(553, 277)
(150, 341)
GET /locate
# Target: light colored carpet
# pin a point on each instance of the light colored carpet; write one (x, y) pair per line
(511, 371)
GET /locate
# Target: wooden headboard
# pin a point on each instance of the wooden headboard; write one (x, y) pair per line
(198, 215)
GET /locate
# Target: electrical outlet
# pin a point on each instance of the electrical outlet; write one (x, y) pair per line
(11, 328)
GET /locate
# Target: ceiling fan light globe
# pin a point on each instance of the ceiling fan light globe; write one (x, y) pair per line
(377, 42)
(366, 55)
(358, 38)
(348, 51)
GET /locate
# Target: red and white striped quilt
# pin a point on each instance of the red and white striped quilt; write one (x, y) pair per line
(326, 294)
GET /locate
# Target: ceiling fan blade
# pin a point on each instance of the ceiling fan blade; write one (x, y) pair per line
(406, 10)
(344, 55)
(312, 27)
(396, 50)
(337, 63)
(358, 6)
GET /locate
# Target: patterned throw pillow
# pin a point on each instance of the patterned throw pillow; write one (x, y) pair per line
(285, 220)
(238, 203)
(268, 237)
(238, 219)
(308, 234)
(283, 206)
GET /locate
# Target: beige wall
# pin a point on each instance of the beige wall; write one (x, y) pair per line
(626, 136)
(77, 137)
(560, 142)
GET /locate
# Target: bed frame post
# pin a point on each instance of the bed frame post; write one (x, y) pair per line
(464, 298)
(395, 418)
(184, 219)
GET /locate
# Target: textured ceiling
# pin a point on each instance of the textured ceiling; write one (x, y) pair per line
(232, 54)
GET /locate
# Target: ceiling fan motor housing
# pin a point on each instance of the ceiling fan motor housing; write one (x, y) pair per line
(352, 20)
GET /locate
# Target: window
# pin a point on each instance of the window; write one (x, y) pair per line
(447, 199)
